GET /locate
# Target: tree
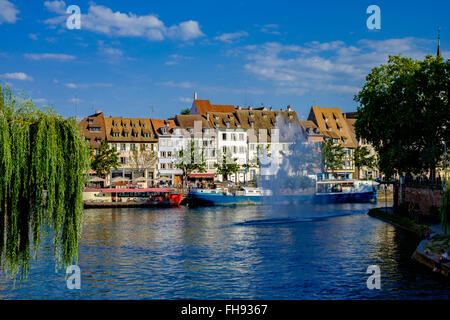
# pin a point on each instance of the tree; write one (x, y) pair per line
(190, 160)
(404, 113)
(143, 159)
(186, 111)
(227, 166)
(363, 158)
(332, 156)
(44, 164)
(105, 160)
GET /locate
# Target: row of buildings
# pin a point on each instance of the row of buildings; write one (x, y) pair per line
(148, 148)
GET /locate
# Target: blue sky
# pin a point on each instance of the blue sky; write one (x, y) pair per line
(146, 58)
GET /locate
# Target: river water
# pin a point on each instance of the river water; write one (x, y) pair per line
(247, 252)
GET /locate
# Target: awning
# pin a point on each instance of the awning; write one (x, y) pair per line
(202, 175)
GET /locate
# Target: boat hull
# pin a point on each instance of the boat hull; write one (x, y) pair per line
(357, 197)
(218, 199)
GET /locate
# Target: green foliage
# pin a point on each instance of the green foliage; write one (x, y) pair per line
(404, 113)
(190, 160)
(402, 221)
(363, 158)
(445, 207)
(105, 160)
(227, 166)
(143, 159)
(186, 111)
(44, 162)
(332, 155)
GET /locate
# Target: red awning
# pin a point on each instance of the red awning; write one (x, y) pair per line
(117, 190)
(202, 175)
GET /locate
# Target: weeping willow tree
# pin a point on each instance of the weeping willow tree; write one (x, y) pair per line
(44, 162)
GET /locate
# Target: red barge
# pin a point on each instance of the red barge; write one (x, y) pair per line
(122, 198)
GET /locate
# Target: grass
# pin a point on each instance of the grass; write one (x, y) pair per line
(439, 242)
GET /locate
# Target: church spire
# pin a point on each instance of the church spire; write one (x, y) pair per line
(439, 43)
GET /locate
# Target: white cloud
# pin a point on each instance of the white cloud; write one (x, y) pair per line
(49, 56)
(40, 100)
(231, 37)
(75, 100)
(56, 6)
(184, 100)
(87, 85)
(325, 66)
(270, 29)
(175, 59)
(17, 76)
(101, 19)
(8, 12)
(173, 84)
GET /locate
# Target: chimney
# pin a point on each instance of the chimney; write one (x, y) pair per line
(288, 108)
(207, 117)
(98, 111)
(239, 107)
(271, 109)
(250, 108)
(195, 95)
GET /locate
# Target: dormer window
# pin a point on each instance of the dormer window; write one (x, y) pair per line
(126, 134)
(164, 130)
(344, 140)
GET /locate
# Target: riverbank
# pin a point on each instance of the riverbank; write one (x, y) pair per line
(428, 251)
(404, 223)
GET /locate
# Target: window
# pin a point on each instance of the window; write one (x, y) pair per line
(132, 146)
(116, 135)
(163, 165)
(163, 154)
(252, 147)
(126, 134)
(169, 154)
(235, 149)
(90, 121)
(224, 136)
(123, 160)
(94, 129)
(113, 146)
(241, 149)
(233, 137)
(123, 147)
(241, 137)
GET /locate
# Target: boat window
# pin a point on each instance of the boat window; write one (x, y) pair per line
(336, 188)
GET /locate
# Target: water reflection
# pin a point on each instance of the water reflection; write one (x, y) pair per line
(307, 252)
